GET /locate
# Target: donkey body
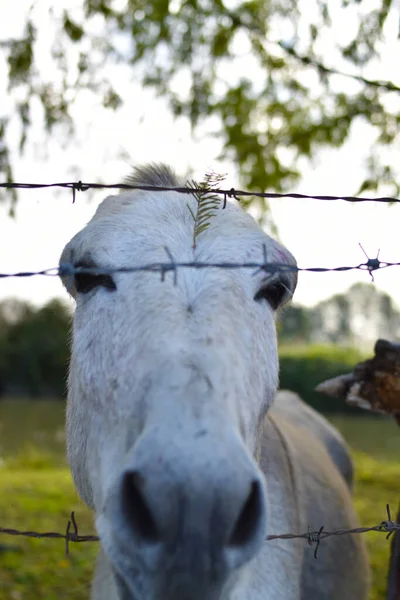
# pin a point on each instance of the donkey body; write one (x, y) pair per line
(176, 436)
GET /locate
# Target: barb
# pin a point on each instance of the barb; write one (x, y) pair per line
(315, 538)
(172, 266)
(80, 187)
(372, 264)
(388, 526)
(226, 193)
(68, 536)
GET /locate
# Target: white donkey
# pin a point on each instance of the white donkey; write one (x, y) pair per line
(174, 437)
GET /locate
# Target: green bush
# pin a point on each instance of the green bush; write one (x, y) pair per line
(302, 368)
(34, 349)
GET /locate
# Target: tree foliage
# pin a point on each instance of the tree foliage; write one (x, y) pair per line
(33, 349)
(356, 318)
(34, 341)
(302, 368)
(249, 71)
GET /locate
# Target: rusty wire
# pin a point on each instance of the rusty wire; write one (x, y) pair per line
(312, 537)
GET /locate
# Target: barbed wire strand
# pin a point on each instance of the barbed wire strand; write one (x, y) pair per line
(79, 186)
(371, 265)
(313, 537)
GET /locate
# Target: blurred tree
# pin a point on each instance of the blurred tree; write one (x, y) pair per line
(34, 343)
(356, 318)
(248, 71)
(34, 349)
(295, 324)
(302, 368)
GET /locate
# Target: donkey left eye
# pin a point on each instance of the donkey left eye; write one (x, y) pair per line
(274, 293)
(86, 282)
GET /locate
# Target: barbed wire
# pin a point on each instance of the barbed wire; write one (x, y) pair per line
(371, 265)
(68, 536)
(79, 186)
(313, 537)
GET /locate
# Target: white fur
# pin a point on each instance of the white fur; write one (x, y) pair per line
(176, 383)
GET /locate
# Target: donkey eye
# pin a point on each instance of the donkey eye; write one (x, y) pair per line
(86, 282)
(274, 293)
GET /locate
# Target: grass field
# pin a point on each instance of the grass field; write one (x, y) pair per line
(37, 494)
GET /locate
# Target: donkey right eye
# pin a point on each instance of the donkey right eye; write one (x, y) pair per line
(86, 282)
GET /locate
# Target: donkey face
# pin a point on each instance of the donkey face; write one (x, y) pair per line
(169, 382)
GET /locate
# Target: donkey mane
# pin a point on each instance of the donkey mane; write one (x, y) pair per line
(154, 174)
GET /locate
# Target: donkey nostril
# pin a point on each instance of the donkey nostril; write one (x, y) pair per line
(136, 510)
(247, 523)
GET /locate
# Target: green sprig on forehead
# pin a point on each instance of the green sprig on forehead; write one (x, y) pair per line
(208, 202)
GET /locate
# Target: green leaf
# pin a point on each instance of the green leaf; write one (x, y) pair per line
(74, 31)
(20, 57)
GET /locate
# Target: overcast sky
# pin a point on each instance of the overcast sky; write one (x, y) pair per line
(317, 233)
